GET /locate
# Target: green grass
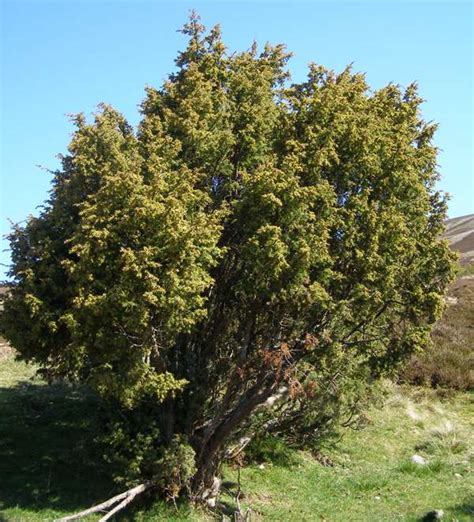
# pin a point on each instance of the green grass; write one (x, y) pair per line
(372, 477)
(47, 463)
(50, 466)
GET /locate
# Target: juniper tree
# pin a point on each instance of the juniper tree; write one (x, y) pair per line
(251, 236)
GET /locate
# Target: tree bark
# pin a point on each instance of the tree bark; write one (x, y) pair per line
(211, 454)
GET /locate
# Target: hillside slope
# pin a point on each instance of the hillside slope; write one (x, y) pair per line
(449, 362)
(460, 234)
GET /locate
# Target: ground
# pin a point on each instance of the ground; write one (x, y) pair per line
(449, 362)
(372, 477)
(49, 465)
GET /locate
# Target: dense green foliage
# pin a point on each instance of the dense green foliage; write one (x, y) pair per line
(252, 237)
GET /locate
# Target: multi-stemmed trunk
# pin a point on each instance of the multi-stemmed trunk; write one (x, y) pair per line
(211, 447)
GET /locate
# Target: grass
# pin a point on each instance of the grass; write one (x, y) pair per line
(46, 453)
(49, 465)
(466, 270)
(372, 477)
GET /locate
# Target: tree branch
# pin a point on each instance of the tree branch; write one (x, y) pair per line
(126, 497)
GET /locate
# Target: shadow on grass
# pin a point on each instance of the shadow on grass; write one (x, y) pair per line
(48, 459)
(465, 509)
(269, 448)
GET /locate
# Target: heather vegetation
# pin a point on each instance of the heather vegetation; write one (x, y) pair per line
(449, 360)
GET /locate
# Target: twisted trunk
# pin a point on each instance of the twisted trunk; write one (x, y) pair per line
(211, 448)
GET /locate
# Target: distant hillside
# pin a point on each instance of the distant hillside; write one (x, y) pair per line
(460, 234)
(449, 362)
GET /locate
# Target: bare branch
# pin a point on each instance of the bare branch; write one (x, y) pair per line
(126, 497)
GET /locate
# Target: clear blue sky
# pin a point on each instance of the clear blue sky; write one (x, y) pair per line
(65, 57)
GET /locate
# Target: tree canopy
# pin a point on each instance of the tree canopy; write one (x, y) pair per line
(251, 237)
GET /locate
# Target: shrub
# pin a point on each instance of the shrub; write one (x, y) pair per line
(250, 235)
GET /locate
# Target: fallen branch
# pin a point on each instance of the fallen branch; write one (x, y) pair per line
(124, 502)
(126, 497)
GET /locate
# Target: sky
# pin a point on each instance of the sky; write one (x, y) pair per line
(65, 57)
